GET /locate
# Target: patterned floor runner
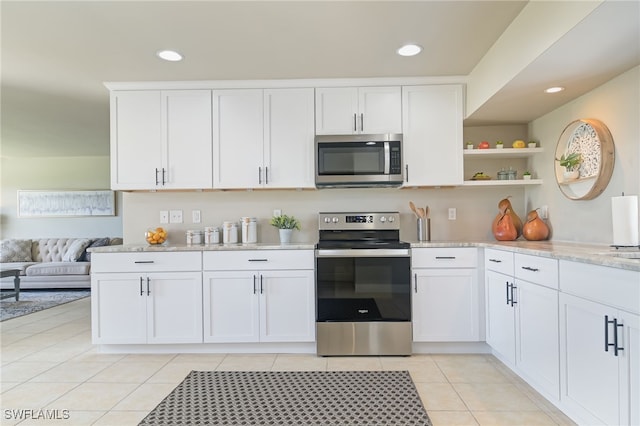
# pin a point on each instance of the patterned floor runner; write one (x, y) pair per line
(318, 398)
(36, 300)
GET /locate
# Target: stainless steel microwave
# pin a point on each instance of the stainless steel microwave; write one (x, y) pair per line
(358, 160)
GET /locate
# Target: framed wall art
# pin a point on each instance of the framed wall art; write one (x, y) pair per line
(66, 203)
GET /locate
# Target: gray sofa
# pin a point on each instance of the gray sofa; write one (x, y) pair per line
(50, 262)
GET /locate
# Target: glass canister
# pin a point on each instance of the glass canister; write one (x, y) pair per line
(503, 175)
(253, 230)
(512, 174)
(194, 237)
(211, 235)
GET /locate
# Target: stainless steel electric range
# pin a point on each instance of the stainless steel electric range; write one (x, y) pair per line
(363, 285)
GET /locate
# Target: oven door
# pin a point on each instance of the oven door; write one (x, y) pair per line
(363, 285)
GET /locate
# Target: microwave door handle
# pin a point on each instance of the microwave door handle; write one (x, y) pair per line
(387, 158)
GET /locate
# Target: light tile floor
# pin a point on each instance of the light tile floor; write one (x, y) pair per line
(48, 362)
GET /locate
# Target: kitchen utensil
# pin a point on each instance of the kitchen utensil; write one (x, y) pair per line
(413, 208)
(426, 212)
(421, 213)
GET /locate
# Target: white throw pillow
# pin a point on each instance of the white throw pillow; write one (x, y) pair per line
(15, 251)
(76, 250)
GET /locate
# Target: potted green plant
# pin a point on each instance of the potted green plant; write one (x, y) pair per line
(570, 163)
(286, 225)
(469, 145)
(499, 145)
(526, 175)
(533, 144)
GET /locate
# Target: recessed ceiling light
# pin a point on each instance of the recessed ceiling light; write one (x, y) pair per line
(409, 50)
(169, 55)
(554, 89)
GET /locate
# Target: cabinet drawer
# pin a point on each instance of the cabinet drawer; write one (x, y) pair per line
(536, 269)
(258, 259)
(602, 284)
(146, 262)
(499, 261)
(446, 257)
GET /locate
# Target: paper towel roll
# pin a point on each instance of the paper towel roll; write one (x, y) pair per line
(624, 211)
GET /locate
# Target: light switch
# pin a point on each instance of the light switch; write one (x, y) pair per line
(164, 216)
(195, 216)
(452, 213)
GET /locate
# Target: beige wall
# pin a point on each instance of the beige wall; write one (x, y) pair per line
(476, 209)
(617, 104)
(55, 173)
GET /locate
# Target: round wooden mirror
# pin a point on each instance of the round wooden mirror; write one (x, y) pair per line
(589, 141)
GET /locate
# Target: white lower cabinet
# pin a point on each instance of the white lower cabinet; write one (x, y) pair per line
(445, 296)
(150, 298)
(146, 308)
(600, 344)
(522, 316)
(259, 305)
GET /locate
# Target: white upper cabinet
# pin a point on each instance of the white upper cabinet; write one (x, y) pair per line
(161, 139)
(288, 138)
(354, 110)
(432, 131)
(237, 137)
(263, 138)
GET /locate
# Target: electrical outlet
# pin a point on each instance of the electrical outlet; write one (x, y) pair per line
(277, 212)
(543, 212)
(452, 213)
(175, 216)
(164, 216)
(195, 216)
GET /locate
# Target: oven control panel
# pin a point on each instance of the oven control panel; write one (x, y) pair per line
(355, 221)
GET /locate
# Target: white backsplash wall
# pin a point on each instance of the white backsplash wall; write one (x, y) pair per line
(476, 209)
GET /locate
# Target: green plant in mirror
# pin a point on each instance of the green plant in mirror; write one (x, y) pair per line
(570, 161)
(285, 222)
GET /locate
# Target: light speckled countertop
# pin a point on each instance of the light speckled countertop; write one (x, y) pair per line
(598, 254)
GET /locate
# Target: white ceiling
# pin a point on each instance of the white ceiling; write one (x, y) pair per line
(56, 55)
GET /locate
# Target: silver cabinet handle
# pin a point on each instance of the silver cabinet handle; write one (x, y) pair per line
(361, 122)
(445, 257)
(254, 284)
(259, 175)
(141, 292)
(415, 282)
(157, 176)
(406, 173)
(164, 181)
(143, 261)
(495, 260)
(355, 124)
(258, 260)
(528, 268)
(261, 287)
(266, 175)
(148, 288)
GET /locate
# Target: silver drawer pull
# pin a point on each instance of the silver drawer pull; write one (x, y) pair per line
(495, 260)
(144, 261)
(528, 268)
(258, 260)
(445, 257)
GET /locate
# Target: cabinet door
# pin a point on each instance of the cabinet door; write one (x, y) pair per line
(590, 384)
(432, 131)
(237, 138)
(288, 138)
(380, 110)
(500, 316)
(174, 307)
(118, 308)
(630, 369)
(188, 139)
(231, 307)
(287, 308)
(136, 139)
(445, 305)
(537, 349)
(337, 111)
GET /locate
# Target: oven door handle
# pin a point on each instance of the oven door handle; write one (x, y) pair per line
(362, 253)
